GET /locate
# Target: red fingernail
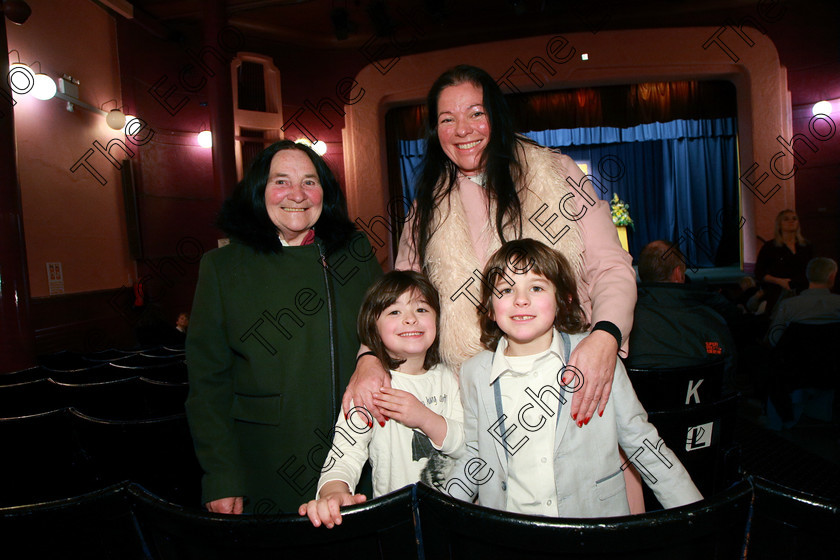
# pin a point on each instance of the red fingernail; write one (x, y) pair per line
(345, 416)
(580, 424)
(588, 418)
(386, 418)
(574, 416)
(382, 424)
(601, 413)
(370, 424)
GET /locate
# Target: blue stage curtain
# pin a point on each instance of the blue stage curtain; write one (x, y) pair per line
(680, 179)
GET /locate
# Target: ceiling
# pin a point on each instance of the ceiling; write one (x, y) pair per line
(806, 32)
(422, 25)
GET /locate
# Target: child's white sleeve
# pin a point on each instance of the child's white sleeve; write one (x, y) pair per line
(453, 414)
(460, 485)
(349, 450)
(659, 466)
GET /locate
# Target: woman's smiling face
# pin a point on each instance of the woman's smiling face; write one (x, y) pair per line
(463, 128)
(293, 195)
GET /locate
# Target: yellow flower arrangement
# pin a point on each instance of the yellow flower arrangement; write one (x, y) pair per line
(620, 211)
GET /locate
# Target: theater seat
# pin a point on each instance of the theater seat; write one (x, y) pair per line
(143, 360)
(804, 358)
(99, 373)
(42, 460)
(96, 525)
(382, 528)
(126, 399)
(23, 376)
(712, 528)
(30, 398)
(108, 355)
(788, 524)
(703, 438)
(157, 453)
(670, 388)
(64, 361)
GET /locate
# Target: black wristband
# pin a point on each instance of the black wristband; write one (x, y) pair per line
(608, 327)
(368, 353)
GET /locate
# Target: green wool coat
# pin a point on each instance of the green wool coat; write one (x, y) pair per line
(271, 346)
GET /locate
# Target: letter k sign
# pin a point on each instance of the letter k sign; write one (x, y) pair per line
(692, 391)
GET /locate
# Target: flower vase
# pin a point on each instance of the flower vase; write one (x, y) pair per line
(622, 236)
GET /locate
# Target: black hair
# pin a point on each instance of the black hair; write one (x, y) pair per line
(244, 216)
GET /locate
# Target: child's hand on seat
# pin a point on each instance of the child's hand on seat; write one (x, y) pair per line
(326, 509)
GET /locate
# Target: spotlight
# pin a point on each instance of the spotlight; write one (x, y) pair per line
(44, 87)
(205, 139)
(823, 107)
(131, 123)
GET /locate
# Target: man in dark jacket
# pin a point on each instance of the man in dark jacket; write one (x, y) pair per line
(674, 324)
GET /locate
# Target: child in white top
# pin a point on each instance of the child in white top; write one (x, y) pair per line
(398, 322)
(523, 453)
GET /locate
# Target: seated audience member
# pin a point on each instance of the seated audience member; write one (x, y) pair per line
(751, 299)
(183, 322)
(816, 305)
(181, 325)
(674, 325)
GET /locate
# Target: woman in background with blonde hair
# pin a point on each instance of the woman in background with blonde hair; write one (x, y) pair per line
(780, 266)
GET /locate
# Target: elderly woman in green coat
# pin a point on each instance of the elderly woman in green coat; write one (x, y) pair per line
(272, 339)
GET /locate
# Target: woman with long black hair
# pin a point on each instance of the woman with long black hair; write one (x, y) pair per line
(481, 185)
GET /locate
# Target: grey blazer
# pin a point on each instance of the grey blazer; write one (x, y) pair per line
(587, 464)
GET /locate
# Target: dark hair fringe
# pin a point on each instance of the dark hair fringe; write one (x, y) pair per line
(502, 168)
(541, 260)
(244, 217)
(385, 292)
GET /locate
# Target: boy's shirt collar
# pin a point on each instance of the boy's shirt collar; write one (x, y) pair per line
(501, 365)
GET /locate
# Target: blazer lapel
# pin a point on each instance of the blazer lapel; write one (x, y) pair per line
(488, 396)
(563, 418)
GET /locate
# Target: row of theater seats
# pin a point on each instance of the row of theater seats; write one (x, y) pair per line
(81, 422)
(753, 519)
(90, 421)
(106, 421)
(108, 385)
(65, 453)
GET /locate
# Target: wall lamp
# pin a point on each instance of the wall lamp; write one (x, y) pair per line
(23, 80)
(319, 146)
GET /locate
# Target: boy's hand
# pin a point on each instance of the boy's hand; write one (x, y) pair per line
(402, 406)
(326, 510)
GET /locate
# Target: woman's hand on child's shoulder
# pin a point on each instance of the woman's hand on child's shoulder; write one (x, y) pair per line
(325, 511)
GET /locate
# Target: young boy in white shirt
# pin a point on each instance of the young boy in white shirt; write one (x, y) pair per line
(524, 454)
